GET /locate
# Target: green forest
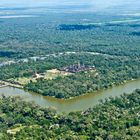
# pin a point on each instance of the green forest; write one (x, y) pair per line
(37, 44)
(110, 70)
(113, 119)
(114, 38)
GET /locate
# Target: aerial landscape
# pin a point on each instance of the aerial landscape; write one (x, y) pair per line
(70, 70)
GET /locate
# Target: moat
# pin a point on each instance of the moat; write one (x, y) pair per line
(75, 104)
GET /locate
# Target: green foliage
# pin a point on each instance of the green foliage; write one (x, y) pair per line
(117, 41)
(116, 118)
(110, 71)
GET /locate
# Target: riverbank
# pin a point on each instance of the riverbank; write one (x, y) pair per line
(76, 104)
(84, 94)
(6, 84)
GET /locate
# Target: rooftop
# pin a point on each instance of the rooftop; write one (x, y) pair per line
(77, 68)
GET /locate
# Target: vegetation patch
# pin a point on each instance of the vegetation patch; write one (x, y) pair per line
(76, 27)
(135, 33)
(7, 53)
(115, 118)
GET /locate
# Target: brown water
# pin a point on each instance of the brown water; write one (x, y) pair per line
(76, 104)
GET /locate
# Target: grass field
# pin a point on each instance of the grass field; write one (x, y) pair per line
(48, 75)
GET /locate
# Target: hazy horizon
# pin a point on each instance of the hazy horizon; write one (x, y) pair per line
(87, 5)
(97, 4)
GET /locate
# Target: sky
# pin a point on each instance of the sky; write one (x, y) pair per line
(96, 4)
(99, 3)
